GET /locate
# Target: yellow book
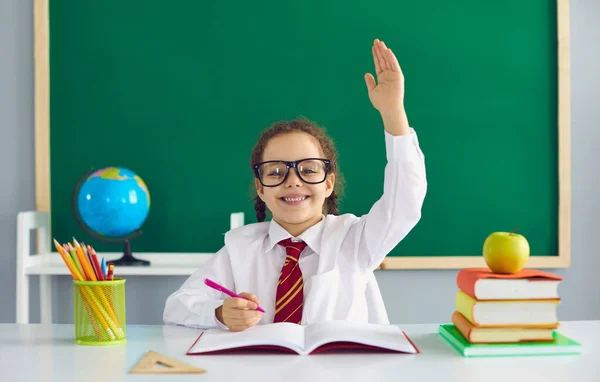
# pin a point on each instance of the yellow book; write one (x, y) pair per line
(508, 313)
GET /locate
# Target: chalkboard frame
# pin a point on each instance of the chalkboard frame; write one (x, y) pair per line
(41, 20)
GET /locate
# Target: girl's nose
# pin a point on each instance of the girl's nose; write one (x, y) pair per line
(293, 180)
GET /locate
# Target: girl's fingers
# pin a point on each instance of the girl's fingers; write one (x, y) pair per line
(251, 296)
(241, 321)
(370, 81)
(242, 303)
(241, 324)
(243, 313)
(393, 60)
(384, 61)
(380, 55)
(376, 60)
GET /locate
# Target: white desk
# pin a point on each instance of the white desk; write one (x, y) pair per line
(44, 352)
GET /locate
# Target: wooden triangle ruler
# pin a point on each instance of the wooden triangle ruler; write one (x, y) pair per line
(152, 361)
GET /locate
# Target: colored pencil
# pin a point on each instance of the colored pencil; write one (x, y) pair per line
(95, 300)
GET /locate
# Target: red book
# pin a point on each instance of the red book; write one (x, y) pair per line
(292, 338)
(528, 284)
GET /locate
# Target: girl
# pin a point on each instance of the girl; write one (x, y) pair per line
(303, 265)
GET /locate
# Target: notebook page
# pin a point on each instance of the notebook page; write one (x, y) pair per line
(385, 336)
(278, 334)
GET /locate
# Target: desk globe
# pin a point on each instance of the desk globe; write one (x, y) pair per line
(111, 204)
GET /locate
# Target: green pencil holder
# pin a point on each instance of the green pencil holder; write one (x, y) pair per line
(99, 311)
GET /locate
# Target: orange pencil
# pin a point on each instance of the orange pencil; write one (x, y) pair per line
(103, 307)
(76, 275)
(105, 318)
(101, 296)
(88, 256)
(85, 264)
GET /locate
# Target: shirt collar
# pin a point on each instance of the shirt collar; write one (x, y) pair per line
(312, 236)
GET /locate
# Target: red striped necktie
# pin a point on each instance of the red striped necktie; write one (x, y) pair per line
(290, 296)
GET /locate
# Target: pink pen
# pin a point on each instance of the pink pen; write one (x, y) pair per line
(221, 288)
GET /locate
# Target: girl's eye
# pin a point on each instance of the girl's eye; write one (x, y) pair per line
(275, 173)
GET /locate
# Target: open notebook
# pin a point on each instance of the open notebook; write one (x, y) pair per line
(303, 340)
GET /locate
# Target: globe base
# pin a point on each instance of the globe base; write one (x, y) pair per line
(131, 261)
(127, 259)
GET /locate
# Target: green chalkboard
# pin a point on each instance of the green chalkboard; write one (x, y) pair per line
(178, 91)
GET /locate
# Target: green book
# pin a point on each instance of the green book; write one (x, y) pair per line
(561, 345)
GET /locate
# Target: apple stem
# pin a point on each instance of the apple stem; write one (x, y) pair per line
(514, 230)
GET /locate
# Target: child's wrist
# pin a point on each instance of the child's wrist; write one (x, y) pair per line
(395, 122)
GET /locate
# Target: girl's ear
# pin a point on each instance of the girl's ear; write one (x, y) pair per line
(329, 184)
(259, 189)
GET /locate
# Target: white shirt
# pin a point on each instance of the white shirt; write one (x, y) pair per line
(337, 265)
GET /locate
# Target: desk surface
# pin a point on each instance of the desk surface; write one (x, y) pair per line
(37, 352)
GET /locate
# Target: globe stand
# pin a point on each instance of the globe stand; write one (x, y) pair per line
(127, 259)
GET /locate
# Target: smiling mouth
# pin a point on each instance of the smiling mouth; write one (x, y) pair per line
(295, 199)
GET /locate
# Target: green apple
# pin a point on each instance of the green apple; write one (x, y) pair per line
(506, 252)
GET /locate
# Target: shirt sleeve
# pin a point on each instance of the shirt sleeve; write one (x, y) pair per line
(395, 214)
(194, 303)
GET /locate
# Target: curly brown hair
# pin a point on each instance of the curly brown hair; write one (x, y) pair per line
(313, 129)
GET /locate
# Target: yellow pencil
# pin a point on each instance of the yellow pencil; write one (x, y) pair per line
(75, 261)
(68, 261)
(77, 276)
(92, 320)
(109, 309)
(97, 307)
(85, 264)
(110, 326)
(92, 276)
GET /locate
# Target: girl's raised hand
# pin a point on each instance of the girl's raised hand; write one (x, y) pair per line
(387, 95)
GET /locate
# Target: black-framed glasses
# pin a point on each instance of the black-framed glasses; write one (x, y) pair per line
(274, 172)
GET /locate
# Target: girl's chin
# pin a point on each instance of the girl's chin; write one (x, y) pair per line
(297, 217)
(294, 218)
(296, 213)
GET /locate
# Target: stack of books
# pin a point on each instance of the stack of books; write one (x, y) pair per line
(506, 314)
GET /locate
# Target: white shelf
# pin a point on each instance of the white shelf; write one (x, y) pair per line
(45, 263)
(161, 264)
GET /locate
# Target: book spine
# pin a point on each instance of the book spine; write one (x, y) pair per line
(464, 305)
(465, 281)
(462, 324)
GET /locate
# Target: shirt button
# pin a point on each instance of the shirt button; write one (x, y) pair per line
(295, 240)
